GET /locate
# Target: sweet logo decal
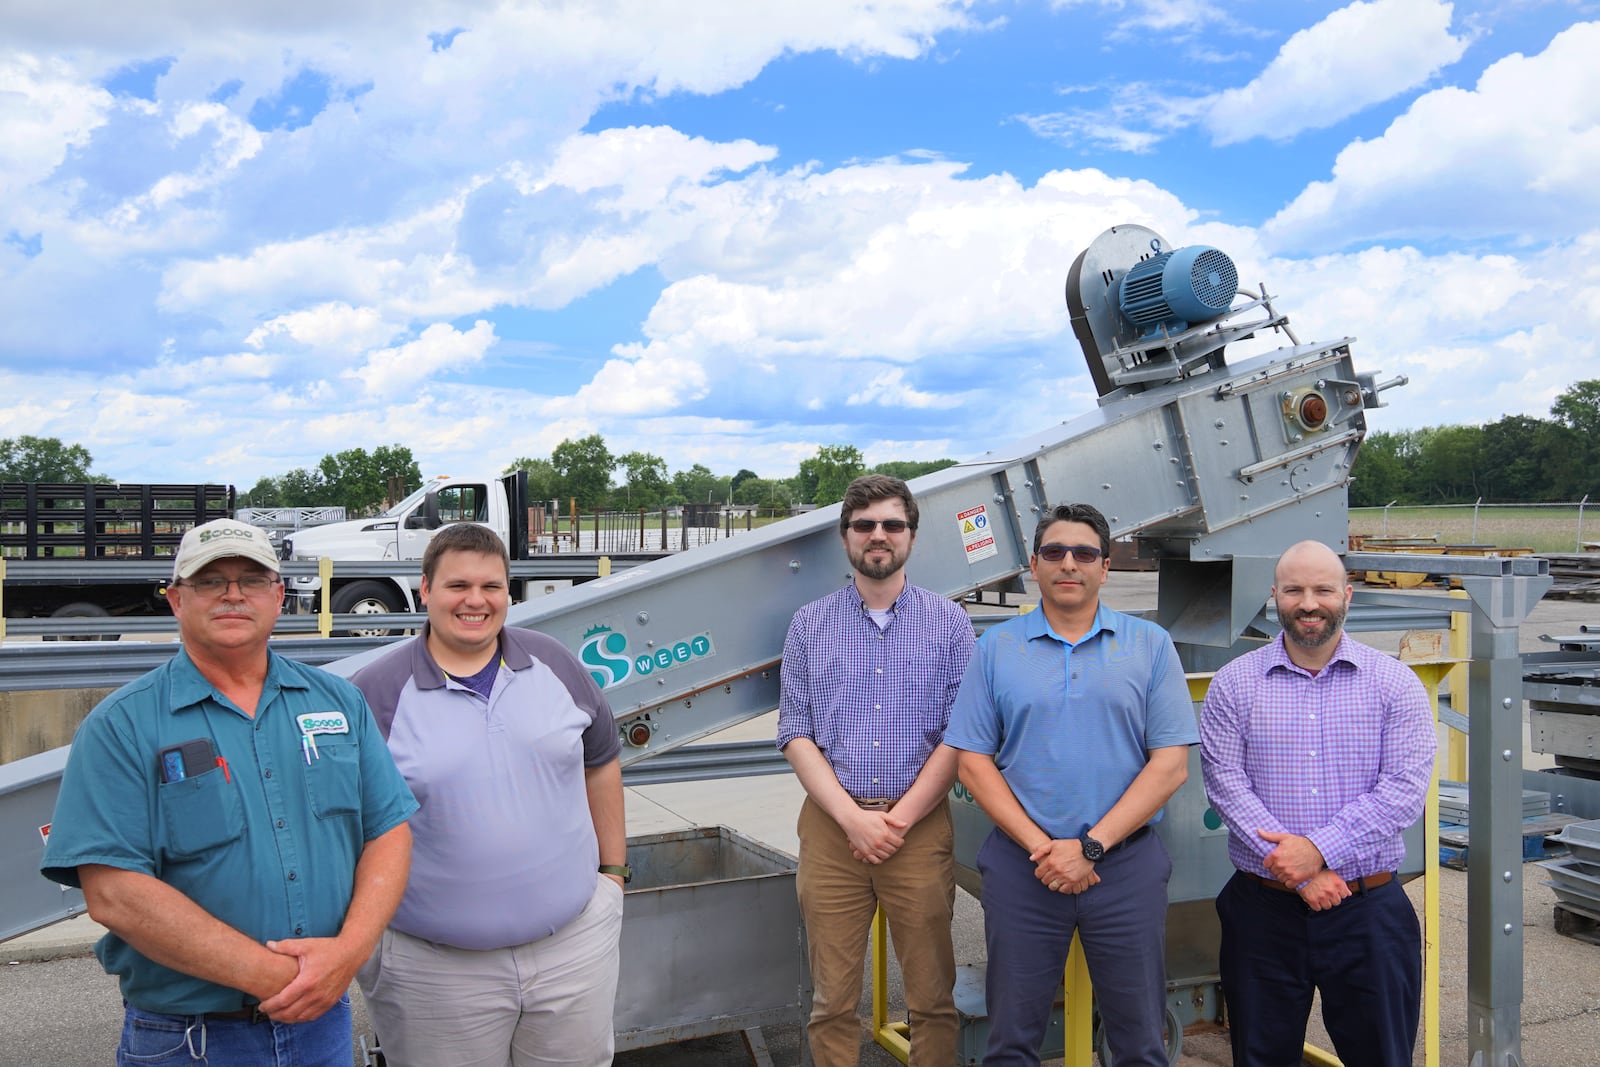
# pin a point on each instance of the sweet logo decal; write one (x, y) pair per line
(605, 653)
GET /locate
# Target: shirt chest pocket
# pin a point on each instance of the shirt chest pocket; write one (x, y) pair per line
(200, 814)
(333, 780)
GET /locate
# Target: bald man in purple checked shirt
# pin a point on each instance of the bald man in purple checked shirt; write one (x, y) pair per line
(1317, 752)
(869, 674)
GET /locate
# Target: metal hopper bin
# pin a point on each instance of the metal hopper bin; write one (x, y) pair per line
(711, 939)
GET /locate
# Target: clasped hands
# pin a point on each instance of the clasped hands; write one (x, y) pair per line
(1298, 864)
(1060, 865)
(875, 835)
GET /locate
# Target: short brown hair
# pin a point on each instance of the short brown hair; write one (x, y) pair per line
(869, 489)
(463, 537)
(1087, 514)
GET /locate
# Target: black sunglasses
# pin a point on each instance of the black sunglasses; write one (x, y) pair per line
(1081, 553)
(866, 526)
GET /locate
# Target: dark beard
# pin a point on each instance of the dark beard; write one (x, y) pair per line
(1330, 632)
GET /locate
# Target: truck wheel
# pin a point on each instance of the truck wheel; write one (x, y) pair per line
(367, 598)
(82, 610)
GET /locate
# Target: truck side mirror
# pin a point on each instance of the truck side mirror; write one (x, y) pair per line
(427, 516)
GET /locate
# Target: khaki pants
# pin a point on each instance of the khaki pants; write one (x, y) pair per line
(838, 895)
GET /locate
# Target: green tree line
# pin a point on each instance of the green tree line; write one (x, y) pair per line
(586, 471)
(1517, 459)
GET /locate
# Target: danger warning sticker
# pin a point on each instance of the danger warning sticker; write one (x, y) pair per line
(976, 536)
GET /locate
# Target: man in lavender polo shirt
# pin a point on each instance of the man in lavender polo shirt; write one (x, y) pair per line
(505, 948)
(869, 673)
(1317, 753)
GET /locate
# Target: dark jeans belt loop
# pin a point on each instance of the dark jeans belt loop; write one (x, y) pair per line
(251, 1014)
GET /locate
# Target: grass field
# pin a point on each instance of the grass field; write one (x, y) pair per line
(1542, 528)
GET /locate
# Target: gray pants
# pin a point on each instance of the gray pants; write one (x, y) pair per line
(548, 1003)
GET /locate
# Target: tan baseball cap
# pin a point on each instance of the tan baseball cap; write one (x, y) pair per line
(219, 539)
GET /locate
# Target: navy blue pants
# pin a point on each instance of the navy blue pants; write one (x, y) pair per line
(1364, 956)
(1028, 930)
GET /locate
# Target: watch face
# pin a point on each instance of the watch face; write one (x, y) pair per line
(1093, 851)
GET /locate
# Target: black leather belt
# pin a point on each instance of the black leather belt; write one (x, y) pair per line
(1130, 839)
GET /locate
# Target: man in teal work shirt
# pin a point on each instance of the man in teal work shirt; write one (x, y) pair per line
(237, 825)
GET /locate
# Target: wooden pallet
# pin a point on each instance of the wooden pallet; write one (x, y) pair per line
(1577, 923)
(1454, 841)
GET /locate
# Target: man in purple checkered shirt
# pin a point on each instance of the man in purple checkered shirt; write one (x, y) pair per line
(1317, 753)
(869, 674)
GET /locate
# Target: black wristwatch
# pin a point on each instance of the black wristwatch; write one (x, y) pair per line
(623, 872)
(1093, 851)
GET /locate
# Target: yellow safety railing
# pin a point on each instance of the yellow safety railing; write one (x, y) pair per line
(1078, 1051)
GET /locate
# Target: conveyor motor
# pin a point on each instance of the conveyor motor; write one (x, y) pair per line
(1174, 290)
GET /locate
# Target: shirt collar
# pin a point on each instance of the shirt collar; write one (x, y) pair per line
(1342, 653)
(190, 687)
(1036, 625)
(895, 608)
(428, 674)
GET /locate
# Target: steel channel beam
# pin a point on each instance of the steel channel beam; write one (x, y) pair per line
(1494, 810)
(103, 664)
(159, 571)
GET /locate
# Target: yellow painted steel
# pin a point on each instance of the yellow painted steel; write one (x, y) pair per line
(1078, 1013)
(602, 567)
(893, 1037)
(1455, 768)
(325, 617)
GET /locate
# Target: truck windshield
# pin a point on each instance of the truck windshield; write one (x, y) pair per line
(409, 502)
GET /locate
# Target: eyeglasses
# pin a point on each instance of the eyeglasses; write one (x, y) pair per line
(1081, 553)
(249, 585)
(866, 526)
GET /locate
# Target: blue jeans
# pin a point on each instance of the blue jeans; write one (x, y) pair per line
(151, 1038)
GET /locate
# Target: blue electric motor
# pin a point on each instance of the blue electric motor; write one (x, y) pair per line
(1174, 290)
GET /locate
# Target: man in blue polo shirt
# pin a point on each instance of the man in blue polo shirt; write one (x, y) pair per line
(237, 825)
(869, 672)
(1073, 723)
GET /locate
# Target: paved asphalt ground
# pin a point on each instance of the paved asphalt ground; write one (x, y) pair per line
(58, 1008)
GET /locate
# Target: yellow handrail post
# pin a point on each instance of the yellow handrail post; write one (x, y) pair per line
(1078, 1011)
(1455, 767)
(325, 616)
(894, 1038)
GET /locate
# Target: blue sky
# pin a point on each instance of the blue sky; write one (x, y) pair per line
(236, 237)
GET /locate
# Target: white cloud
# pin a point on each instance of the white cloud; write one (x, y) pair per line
(1161, 16)
(330, 327)
(45, 110)
(1516, 156)
(1358, 56)
(440, 347)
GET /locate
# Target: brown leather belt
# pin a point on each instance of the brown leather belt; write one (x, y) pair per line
(1356, 885)
(874, 803)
